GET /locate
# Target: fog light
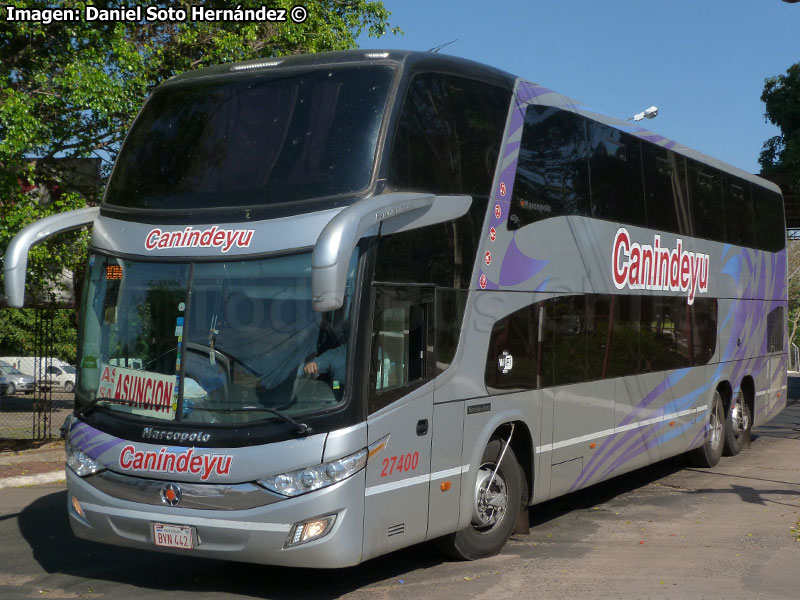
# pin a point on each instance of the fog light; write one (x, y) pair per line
(76, 506)
(307, 531)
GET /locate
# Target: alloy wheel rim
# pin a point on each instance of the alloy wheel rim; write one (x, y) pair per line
(490, 504)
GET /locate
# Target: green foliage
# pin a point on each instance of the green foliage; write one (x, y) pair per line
(70, 90)
(19, 339)
(781, 153)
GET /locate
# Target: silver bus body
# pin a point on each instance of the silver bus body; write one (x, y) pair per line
(553, 396)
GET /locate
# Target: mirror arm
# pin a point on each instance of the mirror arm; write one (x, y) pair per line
(394, 212)
(15, 261)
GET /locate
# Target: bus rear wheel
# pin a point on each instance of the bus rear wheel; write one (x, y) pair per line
(737, 426)
(709, 453)
(496, 502)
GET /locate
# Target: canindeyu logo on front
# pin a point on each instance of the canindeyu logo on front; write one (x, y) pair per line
(213, 237)
(167, 461)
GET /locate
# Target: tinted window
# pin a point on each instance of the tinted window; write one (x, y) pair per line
(448, 135)
(572, 339)
(665, 337)
(401, 340)
(553, 171)
(703, 331)
(615, 169)
(769, 221)
(524, 338)
(665, 190)
(599, 313)
(626, 358)
(450, 306)
(568, 319)
(705, 194)
(776, 326)
(441, 254)
(253, 140)
(739, 228)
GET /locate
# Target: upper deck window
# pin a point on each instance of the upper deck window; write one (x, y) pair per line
(247, 141)
(448, 135)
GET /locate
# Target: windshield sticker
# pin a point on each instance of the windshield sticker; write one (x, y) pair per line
(644, 267)
(214, 237)
(146, 392)
(168, 461)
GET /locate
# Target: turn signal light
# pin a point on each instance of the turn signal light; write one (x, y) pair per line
(76, 506)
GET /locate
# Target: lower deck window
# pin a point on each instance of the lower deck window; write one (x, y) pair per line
(587, 337)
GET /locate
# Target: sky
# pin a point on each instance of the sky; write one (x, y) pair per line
(701, 62)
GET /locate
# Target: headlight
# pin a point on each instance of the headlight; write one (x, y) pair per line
(313, 478)
(80, 462)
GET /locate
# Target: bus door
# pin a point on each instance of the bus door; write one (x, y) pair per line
(400, 406)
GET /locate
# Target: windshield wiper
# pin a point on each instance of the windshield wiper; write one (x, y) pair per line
(300, 428)
(90, 407)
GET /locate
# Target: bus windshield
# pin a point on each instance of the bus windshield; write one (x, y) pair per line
(240, 334)
(253, 140)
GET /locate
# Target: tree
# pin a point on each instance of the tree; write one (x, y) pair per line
(70, 90)
(793, 260)
(781, 153)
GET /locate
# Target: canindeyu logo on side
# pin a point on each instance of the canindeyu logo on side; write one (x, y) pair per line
(645, 267)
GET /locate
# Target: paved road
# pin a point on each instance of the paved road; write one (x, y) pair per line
(663, 532)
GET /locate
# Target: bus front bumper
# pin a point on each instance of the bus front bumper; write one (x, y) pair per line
(257, 535)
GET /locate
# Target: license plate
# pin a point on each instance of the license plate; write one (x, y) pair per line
(173, 536)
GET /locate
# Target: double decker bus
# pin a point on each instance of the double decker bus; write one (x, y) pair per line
(339, 304)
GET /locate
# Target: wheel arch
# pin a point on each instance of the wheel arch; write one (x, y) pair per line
(748, 387)
(726, 392)
(522, 443)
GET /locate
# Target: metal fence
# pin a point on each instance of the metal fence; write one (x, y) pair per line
(38, 393)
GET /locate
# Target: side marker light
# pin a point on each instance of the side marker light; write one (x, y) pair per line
(76, 506)
(445, 486)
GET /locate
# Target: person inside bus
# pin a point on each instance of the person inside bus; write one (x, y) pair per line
(333, 362)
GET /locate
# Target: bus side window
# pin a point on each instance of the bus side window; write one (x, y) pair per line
(776, 325)
(738, 217)
(402, 343)
(448, 135)
(665, 190)
(552, 176)
(570, 346)
(769, 219)
(705, 196)
(521, 349)
(615, 167)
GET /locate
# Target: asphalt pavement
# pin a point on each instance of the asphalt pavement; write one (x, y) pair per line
(667, 531)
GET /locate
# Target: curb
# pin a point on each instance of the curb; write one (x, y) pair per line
(26, 480)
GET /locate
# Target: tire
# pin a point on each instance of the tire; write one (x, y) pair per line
(709, 453)
(11, 389)
(737, 426)
(491, 525)
(69, 386)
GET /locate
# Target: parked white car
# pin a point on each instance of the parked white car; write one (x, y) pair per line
(56, 376)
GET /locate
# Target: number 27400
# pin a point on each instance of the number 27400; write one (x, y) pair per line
(398, 464)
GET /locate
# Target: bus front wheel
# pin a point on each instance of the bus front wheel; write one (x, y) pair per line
(496, 502)
(709, 453)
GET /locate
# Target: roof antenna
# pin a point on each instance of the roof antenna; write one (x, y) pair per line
(436, 49)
